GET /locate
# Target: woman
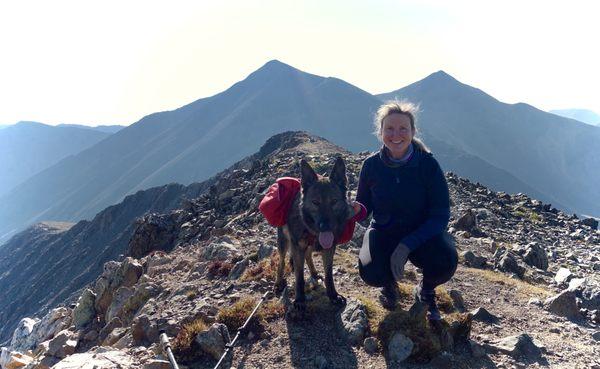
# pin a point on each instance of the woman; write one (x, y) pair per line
(404, 188)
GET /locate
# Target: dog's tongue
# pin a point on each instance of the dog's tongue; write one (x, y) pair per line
(326, 239)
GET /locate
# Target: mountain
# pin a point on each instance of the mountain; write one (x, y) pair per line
(192, 143)
(210, 261)
(582, 115)
(548, 153)
(27, 148)
(105, 129)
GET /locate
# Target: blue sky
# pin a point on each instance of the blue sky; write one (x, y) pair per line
(113, 62)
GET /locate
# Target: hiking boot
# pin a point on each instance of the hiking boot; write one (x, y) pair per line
(389, 296)
(427, 297)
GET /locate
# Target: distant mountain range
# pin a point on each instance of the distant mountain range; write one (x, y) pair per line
(27, 148)
(515, 148)
(582, 115)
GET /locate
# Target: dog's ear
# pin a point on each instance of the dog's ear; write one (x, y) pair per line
(338, 173)
(307, 174)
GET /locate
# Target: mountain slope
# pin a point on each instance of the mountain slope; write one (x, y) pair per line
(193, 142)
(27, 148)
(582, 115)
(549, 153)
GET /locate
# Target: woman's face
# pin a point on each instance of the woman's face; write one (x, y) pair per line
(397, 134)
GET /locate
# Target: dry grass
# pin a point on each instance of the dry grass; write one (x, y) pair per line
(184, 346)
(523, 288)
(219, 268)
(235, 316)
(266, 268)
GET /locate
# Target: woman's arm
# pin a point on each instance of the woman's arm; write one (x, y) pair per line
(438, 202)
(363, 194)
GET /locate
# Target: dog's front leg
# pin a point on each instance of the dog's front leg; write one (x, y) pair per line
(328, 265)
(298, 258)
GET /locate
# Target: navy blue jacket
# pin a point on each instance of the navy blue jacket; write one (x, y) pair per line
(410, 200)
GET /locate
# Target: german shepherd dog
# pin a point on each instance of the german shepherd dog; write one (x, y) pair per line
(315, 222)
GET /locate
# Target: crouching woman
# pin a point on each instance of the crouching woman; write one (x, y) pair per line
(404, 188)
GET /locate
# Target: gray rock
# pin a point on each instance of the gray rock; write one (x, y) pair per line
(354, 319)
(563, 304)
(576, 284)
(144, 333)
(62, 345)
(219, 251)
(518, 346)
(536, 256)
(264, 251)
(467, 222)
(118, 303)
(457, 300)
(473, 260)
(562, 276)
(590, 222)
(157, 364)
(84, 310)
(596, 335)
(508, 263)
(238, 269)
(213, 340)
(400, 347)
(482, 315)
(370, 345)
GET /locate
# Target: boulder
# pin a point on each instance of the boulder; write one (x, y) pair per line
(563, 304)
(213, 340)
(354, 320)
(119, 300)
(53, 322)
(238, 269)
(536, 256)
(508, 263)
(371, 346)
(220, 251)
(265, 251)
(15, 360)
(467, 222)
(22, 339)
(84, 311)
(457, 300)
(482, 315)
(98, 359)
(472, 260)
(62, 345)
(400, 347)
(518, 346)
(144, 333)
(590, 222)
(563, 276)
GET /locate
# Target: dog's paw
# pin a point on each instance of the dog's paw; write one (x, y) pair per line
(338, 299)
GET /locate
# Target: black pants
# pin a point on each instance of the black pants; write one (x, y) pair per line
(437, 258)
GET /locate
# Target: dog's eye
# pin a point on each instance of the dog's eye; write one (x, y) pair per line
(316, 202)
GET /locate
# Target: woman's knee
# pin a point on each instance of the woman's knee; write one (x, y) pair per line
(442, 263)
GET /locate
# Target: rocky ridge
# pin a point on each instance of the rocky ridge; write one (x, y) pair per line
(531, 268)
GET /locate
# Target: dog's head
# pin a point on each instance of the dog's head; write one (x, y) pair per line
(324, 203)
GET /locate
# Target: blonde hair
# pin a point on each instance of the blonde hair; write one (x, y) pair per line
(398, 107)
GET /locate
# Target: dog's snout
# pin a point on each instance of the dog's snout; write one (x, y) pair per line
(324, 226)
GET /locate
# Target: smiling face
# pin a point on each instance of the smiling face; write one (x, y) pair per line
(397, 134)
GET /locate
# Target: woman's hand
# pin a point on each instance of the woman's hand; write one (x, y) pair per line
(398, 260)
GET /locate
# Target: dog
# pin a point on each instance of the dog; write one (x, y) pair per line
(315, 222)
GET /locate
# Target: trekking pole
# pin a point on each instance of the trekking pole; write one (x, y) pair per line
(230, 345)
(166, 347)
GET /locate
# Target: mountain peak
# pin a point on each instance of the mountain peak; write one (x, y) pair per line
(440, 75)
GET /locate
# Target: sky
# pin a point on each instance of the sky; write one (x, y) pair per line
(113, 62)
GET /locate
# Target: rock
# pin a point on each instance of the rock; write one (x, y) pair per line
(98, 359)
(144, 333)
(509, 264)
(482, 315)
(536, 256)
(219, 251)
(354, 319)
(157, 364)
(213, 340)
(590, 222)
(84, 310)
(114, 336)
(91, 335)
(118, 303)
(596, 335)
(457, 300)
(370, 345)
(473, 260)
(22, 338)
(62, 345)
(576, 284)
(562, 276)
(563, 304)
(535, 301)
(112, 324)
(400, 347)
(53, 322)
(264, 251)
(518, 346)
(467, 222)
(238, 269)
(16, 360)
